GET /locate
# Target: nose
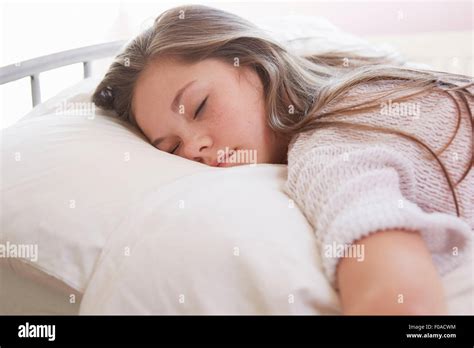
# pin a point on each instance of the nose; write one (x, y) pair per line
(198, 149)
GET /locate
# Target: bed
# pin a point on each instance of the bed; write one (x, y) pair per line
(124, 229)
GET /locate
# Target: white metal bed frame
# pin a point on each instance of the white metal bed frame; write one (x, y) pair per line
(34, 67)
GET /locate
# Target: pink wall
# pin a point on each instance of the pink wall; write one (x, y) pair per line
(398, 17)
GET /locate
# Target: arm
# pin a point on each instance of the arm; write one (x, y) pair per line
(397, 266)
(351, 192)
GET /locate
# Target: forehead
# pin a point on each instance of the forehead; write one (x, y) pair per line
(161, 78)
(157, 80)
(155, 86)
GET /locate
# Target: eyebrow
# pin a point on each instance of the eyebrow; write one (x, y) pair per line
(174, 107)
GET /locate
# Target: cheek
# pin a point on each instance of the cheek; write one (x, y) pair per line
(239, 122)
(239, 118)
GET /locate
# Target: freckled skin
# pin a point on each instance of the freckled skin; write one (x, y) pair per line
(233, 117)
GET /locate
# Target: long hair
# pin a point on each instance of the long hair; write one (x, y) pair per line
(304, 84)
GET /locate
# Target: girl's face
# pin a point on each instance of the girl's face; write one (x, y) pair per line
(211, 112)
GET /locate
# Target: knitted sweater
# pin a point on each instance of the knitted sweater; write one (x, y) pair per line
(351, 183)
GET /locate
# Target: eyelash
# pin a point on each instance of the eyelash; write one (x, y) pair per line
(172, 152)
(199, 109)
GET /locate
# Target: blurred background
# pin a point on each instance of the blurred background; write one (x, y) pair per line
(437, 33)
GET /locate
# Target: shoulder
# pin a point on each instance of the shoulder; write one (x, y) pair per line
(431, 115)
(397, 98)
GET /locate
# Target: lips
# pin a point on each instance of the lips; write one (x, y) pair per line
(225, 162)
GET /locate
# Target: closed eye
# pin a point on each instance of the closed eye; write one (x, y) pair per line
(198, 110)
(176, 148)
(200, 107)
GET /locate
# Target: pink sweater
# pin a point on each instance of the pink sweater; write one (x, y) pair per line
(350, 183)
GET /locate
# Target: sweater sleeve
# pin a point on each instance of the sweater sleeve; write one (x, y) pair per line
(349, 191)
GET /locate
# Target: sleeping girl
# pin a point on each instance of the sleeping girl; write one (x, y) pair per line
(379, 156)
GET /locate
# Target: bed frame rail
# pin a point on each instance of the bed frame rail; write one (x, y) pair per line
(34, 67)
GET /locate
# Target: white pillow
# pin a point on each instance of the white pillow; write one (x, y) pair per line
(305, 35)
(67, 181)
(222, 242)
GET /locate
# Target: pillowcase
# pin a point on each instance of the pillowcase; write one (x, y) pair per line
(306, 35)
(67, 180)
(227, 241)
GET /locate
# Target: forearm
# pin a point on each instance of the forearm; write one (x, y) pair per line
(397, 276)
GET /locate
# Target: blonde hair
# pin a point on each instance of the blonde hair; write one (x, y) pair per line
(308, 84)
